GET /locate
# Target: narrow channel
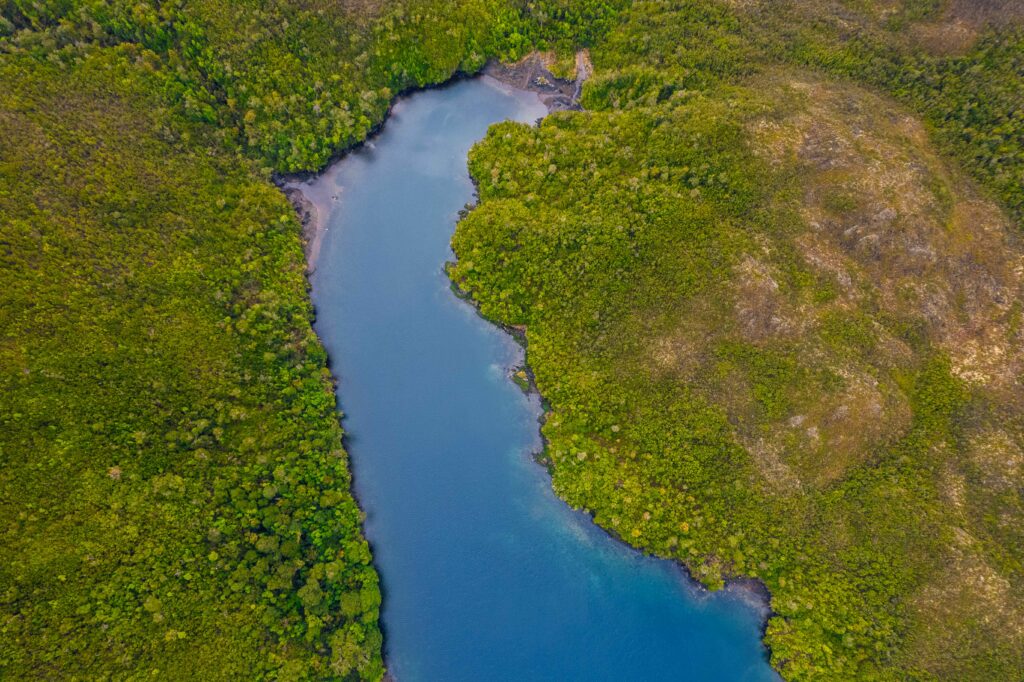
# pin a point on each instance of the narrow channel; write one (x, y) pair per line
(486, 574)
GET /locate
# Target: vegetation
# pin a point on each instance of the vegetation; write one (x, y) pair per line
(175, 496)
(956, 62)
(779, 331)
(173, 491)
(293, 82)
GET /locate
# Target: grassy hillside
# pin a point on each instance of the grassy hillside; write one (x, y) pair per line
(778, 328)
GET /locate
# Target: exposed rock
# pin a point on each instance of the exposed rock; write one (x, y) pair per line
(533, 73)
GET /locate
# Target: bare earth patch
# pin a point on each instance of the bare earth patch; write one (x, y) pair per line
(902, 236)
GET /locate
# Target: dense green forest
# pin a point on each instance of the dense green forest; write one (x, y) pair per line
(173, 491)
(778, 328)
(771, 281)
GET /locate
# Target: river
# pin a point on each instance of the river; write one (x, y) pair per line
(486, 574)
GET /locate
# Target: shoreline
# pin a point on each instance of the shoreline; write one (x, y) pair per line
(752, 590)
(312, 212)
(530, 74)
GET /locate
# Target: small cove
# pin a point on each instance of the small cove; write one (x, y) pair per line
(486, 574)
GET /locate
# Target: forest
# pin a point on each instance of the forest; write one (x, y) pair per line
(778, 326)
(770, 277)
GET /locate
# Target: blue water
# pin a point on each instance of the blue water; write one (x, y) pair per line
(486, 575)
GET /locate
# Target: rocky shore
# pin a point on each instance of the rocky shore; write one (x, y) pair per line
(533, 73)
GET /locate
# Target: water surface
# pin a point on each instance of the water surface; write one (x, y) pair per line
(486, 575)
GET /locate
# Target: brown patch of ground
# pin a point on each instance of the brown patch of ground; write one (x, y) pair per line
(534, 72)
(885, 210)
(951, 28)
(903, 236)
(998, 459)
(986, 12)
(903, 239)
(842, 429)
(944, 37)
(968, 601)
